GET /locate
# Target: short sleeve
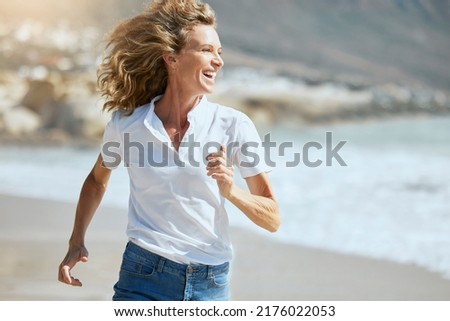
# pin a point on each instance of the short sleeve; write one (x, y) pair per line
(111, 148)
(249, 157)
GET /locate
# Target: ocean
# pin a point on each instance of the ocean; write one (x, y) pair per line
(391, 201)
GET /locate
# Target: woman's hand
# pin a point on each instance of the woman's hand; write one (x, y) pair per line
(74, 255)
(218, 168)
(259, 204)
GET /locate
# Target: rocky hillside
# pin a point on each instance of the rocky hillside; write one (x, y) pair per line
(375, 41)
(307, 61)
(360, 41)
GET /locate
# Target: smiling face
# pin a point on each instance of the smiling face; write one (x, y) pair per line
(195, 68)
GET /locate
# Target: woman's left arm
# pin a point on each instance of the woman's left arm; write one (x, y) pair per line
(259, 205)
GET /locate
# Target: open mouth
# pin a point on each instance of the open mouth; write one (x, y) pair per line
(210, 74)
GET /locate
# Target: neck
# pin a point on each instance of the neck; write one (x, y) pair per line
(174, 107)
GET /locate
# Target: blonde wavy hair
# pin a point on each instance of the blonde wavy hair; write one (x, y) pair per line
(133, 70)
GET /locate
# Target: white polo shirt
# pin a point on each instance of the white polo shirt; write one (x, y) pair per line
(175, 209)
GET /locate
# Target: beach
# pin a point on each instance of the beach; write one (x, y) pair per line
(33, 241)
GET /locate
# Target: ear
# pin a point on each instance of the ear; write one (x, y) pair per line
(170, 61)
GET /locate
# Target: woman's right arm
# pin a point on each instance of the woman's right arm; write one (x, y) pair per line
(91, 195)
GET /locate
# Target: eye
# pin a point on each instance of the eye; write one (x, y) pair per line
(211, 50)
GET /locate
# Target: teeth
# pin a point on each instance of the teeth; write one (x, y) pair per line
(211, 74)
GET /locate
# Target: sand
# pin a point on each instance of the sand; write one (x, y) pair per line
(33, 241)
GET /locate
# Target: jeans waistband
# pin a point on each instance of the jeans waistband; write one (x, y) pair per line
(166, 265)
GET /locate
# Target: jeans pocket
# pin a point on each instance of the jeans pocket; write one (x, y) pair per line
(131, 264)
(220, 279)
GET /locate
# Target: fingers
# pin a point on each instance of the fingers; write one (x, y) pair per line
(71, 259)
(221, 153)
(217, 163)
(220, 169)
(65, 277)
(213, 162)
(216, 155)
(217, 158)
(64, 274)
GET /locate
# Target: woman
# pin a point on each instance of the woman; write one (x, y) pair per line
(159, 67)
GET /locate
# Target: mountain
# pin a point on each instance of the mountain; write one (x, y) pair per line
(356, 41)
(354, 59)
(372, 41)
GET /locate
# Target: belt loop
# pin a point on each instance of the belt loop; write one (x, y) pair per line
(161, 264)
(210, 272)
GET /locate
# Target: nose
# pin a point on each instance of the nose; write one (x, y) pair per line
(218, 61)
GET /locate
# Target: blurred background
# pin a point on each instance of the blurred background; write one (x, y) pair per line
(374, 73)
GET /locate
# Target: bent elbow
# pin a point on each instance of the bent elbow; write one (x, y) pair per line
(276, 222)
(275, 226)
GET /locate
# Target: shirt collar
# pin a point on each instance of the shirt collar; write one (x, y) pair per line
(195, 115)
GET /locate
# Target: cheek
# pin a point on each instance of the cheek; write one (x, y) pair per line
(190, 71)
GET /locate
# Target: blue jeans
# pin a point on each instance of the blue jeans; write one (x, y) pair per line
(145, 276)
